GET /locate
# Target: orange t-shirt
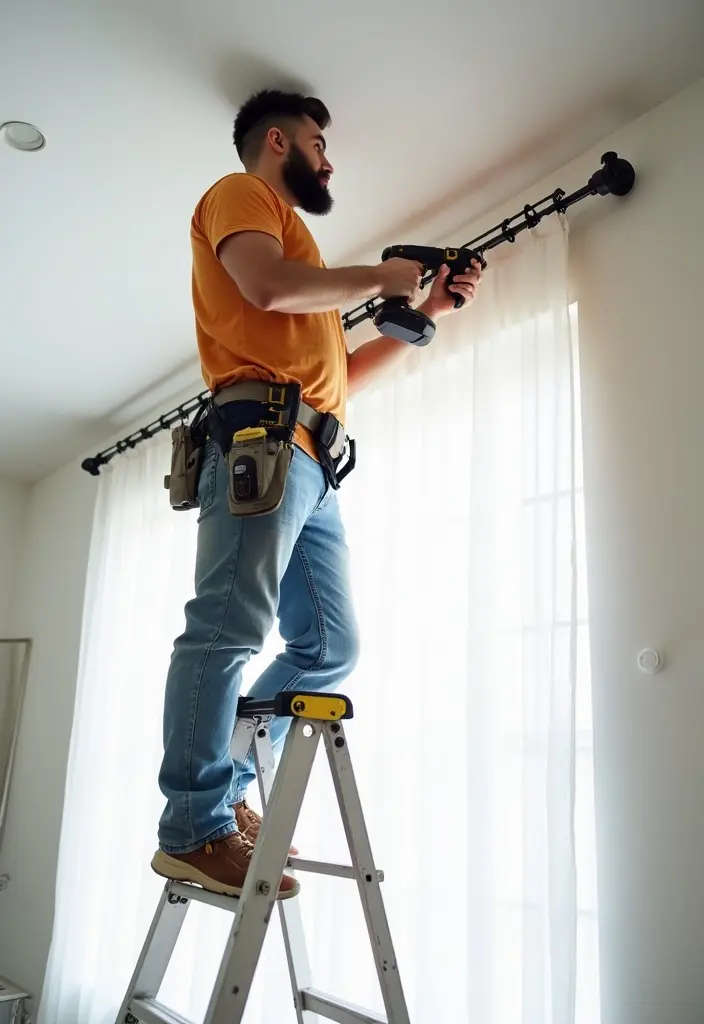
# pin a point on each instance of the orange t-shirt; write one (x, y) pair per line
(237, 341)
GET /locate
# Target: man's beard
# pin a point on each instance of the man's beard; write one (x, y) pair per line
(305, 184)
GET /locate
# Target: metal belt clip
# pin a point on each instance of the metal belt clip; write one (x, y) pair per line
(273, 399)
(331, 434)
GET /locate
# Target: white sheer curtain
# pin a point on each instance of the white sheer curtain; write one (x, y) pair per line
(473, 730)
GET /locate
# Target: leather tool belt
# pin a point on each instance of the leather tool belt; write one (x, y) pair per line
(253, 423)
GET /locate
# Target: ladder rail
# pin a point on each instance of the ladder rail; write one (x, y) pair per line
(290, 916)
(365, 870)
(157, 950)
(259, 893)
(243, 737)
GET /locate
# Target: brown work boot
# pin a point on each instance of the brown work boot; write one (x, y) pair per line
(249, 823)
(220, 866)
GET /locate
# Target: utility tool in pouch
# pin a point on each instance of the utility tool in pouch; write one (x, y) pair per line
(186, 458)
(257, 468)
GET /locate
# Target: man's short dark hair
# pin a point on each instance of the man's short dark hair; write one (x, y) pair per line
(271, 108)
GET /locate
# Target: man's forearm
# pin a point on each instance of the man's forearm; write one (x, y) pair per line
(372, 359)
(376, 357)
(299, 288)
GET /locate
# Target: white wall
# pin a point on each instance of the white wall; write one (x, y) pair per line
(49, 606)
(638, 273)
(635, 269)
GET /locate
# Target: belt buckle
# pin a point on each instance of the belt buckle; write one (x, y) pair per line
(275, 389)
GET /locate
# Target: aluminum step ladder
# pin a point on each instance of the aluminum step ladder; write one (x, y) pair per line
(314, 716)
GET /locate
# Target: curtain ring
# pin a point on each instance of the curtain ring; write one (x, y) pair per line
(557, 197)
(532, 216)
(508, 234)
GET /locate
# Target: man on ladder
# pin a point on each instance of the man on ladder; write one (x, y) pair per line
(270, 539)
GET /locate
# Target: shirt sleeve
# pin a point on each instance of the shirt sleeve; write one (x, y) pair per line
(238, 203)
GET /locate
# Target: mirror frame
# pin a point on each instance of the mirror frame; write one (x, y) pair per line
(15, 727)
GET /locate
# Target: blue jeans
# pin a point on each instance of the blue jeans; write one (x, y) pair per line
(292, 563)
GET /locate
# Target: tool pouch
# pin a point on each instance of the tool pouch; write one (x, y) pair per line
(187, 445)
(186, 458)
(257, 470)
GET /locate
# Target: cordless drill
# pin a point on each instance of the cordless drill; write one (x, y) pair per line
(396, 318)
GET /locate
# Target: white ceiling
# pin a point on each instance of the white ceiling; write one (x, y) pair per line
(137, 97)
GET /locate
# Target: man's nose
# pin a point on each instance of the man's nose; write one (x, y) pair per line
(327, 167)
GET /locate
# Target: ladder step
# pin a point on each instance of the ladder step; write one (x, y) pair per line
(149, 1011)
(321, 867)
(337, 1009)
(194, 892)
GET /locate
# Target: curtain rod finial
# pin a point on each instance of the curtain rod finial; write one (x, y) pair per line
(616, 177)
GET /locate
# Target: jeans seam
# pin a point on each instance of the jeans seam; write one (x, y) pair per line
(196, 697)
(317, 604)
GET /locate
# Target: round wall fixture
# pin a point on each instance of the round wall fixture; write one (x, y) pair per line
(650, 661)
(22, 135)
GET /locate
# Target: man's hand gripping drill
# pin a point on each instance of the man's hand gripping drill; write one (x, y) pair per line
(396, 318)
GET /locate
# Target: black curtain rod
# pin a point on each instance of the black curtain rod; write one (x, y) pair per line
(615, 177)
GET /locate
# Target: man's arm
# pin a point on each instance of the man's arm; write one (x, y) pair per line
(255, 262)
(375, 357)
(381, 354)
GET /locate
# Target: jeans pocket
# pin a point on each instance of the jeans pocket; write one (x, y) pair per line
(325, 500)
(208, 477)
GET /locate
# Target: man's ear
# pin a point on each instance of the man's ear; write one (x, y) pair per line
(275, 138)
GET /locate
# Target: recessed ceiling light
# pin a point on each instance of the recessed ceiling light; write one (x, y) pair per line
(22, 135)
